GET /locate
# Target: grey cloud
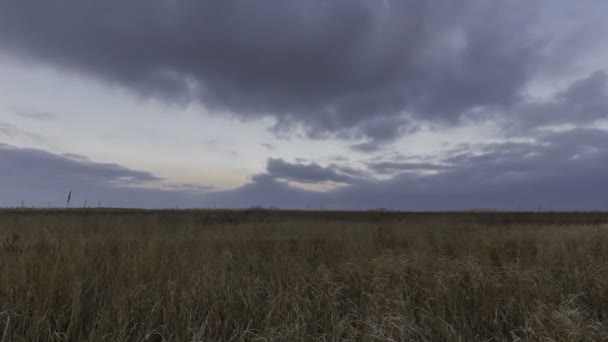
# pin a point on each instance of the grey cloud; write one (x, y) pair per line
(367, 146)
(39, 177)
(211, 142)
(379, 131)
(7, 129)
(32, 114)
(329, 66)
(584, 101)
(578, 138)
(338, 158)
(306, 173)
(268, 146)
(12, 131)
(391, 167)
(27, 163)
(265, 191)
(560, 171)
(350, 171)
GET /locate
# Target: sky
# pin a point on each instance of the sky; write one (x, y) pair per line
(334, 104)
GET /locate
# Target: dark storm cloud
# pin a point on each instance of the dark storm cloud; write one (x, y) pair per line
(39, 177)
(333, 67)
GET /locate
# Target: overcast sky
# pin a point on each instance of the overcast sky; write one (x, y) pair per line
(345, 104)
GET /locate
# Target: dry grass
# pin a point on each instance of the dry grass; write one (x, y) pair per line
(268, 276)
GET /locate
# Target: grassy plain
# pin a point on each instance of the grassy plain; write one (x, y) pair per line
(127, 275)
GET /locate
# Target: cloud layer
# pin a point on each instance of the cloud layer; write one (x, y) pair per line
(41, 178)
(559, 171)
(366, 69)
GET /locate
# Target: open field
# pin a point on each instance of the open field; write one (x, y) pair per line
(120, 275)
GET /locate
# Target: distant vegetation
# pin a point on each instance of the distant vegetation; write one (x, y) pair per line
(260, 275)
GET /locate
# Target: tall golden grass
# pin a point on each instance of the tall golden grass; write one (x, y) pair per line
(105, 275)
